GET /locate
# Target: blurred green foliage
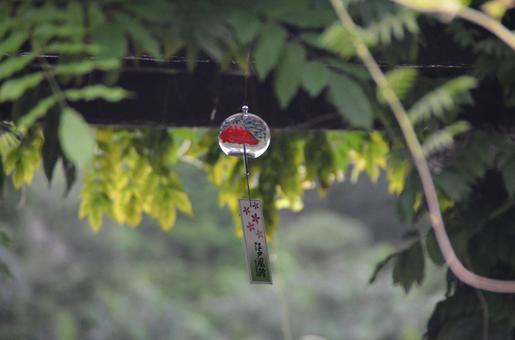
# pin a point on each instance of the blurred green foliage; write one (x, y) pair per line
(130, 174)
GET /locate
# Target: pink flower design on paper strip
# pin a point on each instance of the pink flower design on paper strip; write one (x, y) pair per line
(255, 218)
(251, 226)
(246, 210)
(259, 234)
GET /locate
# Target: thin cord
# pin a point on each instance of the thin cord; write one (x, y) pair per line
(246, 81)
(246, 166)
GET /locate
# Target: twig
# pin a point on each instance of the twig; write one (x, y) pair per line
(435, 215)
(49, 75)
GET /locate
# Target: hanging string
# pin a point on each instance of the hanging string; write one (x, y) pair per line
(245, 110)
(246, 81)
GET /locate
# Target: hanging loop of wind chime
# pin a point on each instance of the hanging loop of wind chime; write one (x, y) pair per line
(246, 135)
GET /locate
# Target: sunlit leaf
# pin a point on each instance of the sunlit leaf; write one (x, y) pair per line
(36, 112)
(12, 43)
(14, 88)
(400, 81)
(92, 92)
(14, 64)
(76, 138)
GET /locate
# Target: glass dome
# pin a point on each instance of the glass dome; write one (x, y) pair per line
(244, 132)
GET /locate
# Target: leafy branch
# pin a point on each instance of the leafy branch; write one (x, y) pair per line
(419, 159)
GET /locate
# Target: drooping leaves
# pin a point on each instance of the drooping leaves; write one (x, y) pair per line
(409, 267)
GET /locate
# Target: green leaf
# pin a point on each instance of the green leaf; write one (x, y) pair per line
(12, 43)
(289, 73)
(93, 92)
(45, 32)
(245, 26)
(141, 35)
(409, 267)
(51, 148)
(453, 184)
(406, 200)
(268, 48)
(338, 40)
(401, 81)
(443, 99)
(444, 138)
(70, 173)
(76, 138)
(315, 77)
(72, 48)
(508, 174)
(86, 66)
(110, 36)
(182, 201)
(350, 100)
(14, 64)
(380, 266)
(307, 17)
(433, 249)
(14, 88)
(36, 112)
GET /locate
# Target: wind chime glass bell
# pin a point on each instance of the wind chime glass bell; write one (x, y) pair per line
(244, 133)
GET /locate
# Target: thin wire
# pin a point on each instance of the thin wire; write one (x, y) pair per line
(246, 166)
(246, 80)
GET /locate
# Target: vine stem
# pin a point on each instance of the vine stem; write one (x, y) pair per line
(453, 9)
(488, 23)
(435, 214)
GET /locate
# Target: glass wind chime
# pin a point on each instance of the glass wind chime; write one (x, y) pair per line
(245, 134)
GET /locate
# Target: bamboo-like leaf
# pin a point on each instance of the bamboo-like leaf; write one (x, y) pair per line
(14, 88)
(443, 139)
(92, 92)
(72, 48)
(12, 43)
(141, 35)
(400, 80)
(36, 112)
(14, 64)
(444, 98)
(86, 66)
